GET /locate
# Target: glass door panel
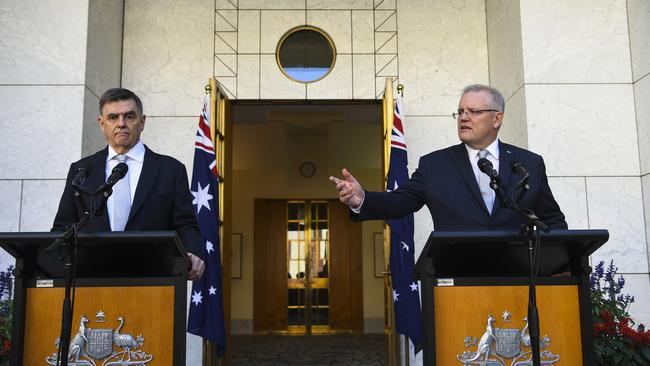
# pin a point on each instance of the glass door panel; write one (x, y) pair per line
(308, 267)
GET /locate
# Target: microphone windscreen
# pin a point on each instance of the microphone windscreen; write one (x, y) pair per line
(485, 165)
(121, 169)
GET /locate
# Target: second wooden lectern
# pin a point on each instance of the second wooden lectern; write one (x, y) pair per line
(475, 297)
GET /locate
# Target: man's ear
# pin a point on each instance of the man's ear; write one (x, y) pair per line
(498, 120)
(100, 122)
(144, 119)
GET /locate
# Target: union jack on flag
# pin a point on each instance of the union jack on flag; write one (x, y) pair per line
(206, 307)
(402, 259)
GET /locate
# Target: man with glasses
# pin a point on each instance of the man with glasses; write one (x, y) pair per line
(153, 194)
(451, 184)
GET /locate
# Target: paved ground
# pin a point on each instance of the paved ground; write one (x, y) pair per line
(315, 350)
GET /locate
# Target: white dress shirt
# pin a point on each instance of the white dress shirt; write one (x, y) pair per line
(492, 156)
(135, 160)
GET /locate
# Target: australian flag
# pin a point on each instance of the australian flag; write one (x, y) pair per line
(406, 297)
(206, 309)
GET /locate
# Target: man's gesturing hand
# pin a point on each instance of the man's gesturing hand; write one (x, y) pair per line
(350, 191)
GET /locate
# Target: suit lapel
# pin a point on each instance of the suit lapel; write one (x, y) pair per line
(150, 168)
(465, 169)
(96, 178)
(505, 158)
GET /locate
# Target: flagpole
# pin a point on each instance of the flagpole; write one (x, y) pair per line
(407, 353)
(209, 350)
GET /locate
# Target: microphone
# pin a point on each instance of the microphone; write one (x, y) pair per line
(519, 168)
(116, 174)
(80, 177)
(486, 167)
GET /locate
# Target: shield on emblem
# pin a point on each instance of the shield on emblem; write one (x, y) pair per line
(507, 342)
(100, 343)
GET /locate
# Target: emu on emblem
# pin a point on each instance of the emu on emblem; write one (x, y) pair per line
(100, 343)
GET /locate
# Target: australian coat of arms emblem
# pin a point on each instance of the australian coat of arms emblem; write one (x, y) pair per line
(103, 347)
(505, 347)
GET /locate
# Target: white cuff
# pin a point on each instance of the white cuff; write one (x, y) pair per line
(357, 210)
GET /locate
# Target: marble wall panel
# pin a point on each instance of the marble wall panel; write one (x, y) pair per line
(363, 32)
(638, 285)
(92, 137)
(575, 42)
(441, 51)
(275, 23)
(173, 136)
(642, 104)
(514, 129)
(10, 193)
(504, 46)
(271, 4)
(41, 130)
(248, 31)
(583, 129)
(571, 194)
(43, 42)
(275, 85)
(616, 204)
(645, 183)
(363, 77)
(336, 85)
(168, 54)
(39, 203)
(337, 24)
(638, 17)
(425, 134)
(339, 4)
(104, 51)
(248, 78)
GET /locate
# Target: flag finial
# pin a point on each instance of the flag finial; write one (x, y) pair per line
(400, 89)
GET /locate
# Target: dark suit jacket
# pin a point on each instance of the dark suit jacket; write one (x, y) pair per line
(445, 182)
(162, 199)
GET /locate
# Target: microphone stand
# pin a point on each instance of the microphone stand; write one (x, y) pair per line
(530, 232)
(67, 245)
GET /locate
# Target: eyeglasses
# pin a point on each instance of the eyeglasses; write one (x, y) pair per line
(471, 112)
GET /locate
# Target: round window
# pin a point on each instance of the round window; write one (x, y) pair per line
(306, 54)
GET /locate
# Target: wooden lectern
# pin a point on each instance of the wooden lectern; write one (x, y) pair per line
(475, 297)
(130, 298)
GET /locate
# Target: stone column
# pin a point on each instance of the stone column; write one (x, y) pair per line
(56, 58)
(565, 70)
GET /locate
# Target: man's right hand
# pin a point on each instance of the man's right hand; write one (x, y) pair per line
(350, 191)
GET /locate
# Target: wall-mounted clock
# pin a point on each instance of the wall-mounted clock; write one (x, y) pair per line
(307, 169)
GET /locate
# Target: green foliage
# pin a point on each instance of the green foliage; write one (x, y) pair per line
(615, 341)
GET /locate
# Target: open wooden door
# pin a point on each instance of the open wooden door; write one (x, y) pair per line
(221, 128)
(392, 338)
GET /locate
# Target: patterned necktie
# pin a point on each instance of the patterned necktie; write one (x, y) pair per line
(484, 185)
(121, 199)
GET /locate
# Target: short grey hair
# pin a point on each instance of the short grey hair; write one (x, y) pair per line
(498, 102)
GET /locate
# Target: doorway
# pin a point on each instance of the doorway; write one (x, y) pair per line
(308, 261)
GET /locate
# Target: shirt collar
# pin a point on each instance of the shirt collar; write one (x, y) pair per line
(135, 153)
(493, 149)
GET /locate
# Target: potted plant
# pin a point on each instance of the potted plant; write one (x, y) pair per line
(616, 342)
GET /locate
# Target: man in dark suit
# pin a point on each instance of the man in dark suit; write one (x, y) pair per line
(153, 195)
(450, 183)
